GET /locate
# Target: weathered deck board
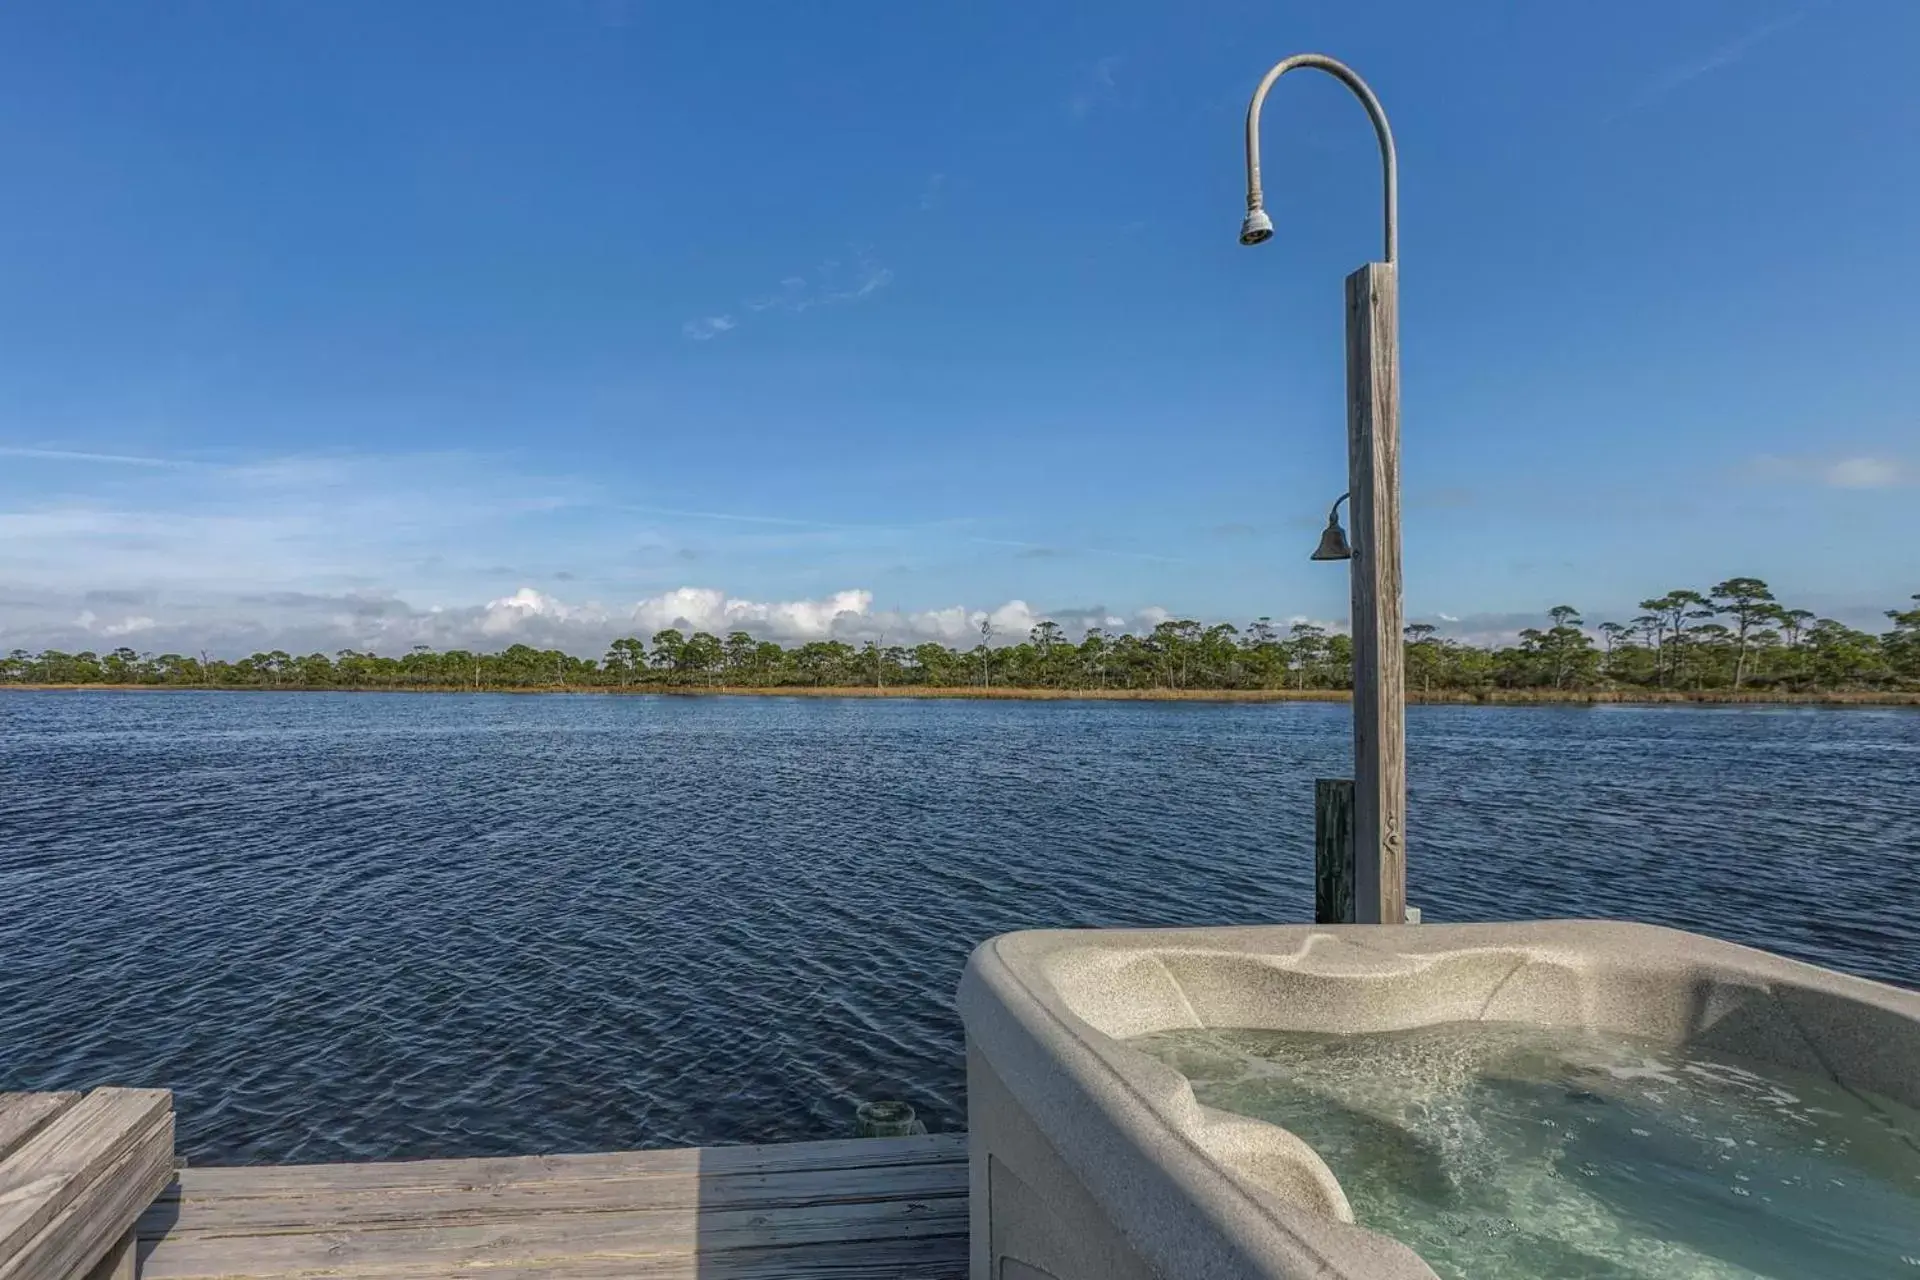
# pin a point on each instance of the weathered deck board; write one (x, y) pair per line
(78, 1174)
(854, 1210)
(21, 1114)
(121, 1262)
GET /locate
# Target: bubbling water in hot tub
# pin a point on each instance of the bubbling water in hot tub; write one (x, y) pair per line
(1509, 1151)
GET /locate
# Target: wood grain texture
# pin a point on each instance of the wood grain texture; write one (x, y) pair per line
(1379, 692)
(456, 1203)
(73, 1189)
(932, 1258)
(545, 1240)
(776, 1157)
(88, 1228)
(869, 1208)
(1333, 851)
(121, 1262)
(79, 1160)
(23, 1114)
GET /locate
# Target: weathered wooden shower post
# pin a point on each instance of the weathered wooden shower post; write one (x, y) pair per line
(1379, 809)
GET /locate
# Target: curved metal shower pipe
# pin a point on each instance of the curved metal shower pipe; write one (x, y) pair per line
(1258, 228)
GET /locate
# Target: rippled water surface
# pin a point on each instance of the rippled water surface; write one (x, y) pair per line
(360, 926)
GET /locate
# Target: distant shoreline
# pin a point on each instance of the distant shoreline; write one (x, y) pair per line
(1453, 697)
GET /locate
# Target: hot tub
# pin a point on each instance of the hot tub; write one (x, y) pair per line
(1091, 1160)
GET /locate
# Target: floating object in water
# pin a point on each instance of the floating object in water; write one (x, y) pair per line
(886, 1119)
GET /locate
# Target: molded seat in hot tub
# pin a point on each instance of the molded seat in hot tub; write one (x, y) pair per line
(1090, 1160)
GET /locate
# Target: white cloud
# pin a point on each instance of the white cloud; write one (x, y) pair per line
(1012, 620)
(1325, 624)
(708, 327)
(74, 455)
(88, 622)
(425, 523)
(385, 623)
(1858, 471)
(1866, 473)
(708, 609)
(512, 613)
(827, 284)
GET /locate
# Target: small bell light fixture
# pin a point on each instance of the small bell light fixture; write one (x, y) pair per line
(1333, 539)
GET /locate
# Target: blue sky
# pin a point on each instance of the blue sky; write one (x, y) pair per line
(329, 324)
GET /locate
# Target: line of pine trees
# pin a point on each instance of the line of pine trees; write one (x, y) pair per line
(1736, 636)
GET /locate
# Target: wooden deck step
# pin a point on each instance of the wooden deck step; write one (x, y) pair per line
(74, 1175)
(865, 1209)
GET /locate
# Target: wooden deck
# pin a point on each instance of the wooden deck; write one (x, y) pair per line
(74, 1174)
(864, 1209)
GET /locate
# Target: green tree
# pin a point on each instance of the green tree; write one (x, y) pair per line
(1308, 654)
(1750, 603)
(702, 654)
(741, 658)
(1669, 616)
(1687, 643)
(1902, 644)
(985, 652)
(1569, 648)
(1842, 657)
(1051, 654)
(1176, 643)
(626, 659)
(1423, 655)
(1093, 654)
(315, 670)
(1793, 622)
(1617, 639)
(669, 651)
(940, 665)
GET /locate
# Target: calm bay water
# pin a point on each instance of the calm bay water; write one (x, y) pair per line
(367, 926)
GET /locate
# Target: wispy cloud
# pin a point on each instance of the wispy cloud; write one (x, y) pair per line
(1868, 473)
(707, 327)
(1034, 550)
(328, 521)
(736, 517)
(1096, 87)
(385, 622)
(133, 624)
(933, 193)
(832, 282)
(1717, 59)
(74, 455)
(1857, 471)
